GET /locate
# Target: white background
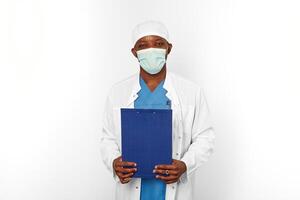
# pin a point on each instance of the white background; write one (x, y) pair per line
(58, 59)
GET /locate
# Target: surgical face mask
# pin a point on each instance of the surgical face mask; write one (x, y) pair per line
(152, 60)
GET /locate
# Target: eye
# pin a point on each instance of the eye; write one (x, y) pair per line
(142, 45)
(160, 43)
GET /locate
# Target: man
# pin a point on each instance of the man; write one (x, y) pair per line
(155, 87)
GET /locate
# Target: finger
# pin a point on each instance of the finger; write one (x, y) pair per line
(120, 162)
(126, 170)
(121, 175)
(173, 181)
(123, 182)
(128, 164)
(127, 175)
(166, 167)
(166, 178)
(126, 180)
(163, 171)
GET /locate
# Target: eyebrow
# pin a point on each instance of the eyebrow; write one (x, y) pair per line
(158, 39)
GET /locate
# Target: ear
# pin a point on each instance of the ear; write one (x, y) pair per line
(133, 51)
(169, 48)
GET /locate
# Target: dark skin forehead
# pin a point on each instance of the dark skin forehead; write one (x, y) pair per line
(151, 41)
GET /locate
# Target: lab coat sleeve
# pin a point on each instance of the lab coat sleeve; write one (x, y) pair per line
(203, 136)
(109, 148)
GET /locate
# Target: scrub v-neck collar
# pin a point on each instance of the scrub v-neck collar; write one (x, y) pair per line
(144, 85)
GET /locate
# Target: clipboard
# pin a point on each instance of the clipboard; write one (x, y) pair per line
(146, 138)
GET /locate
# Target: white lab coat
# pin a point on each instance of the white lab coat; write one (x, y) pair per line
(193, 135)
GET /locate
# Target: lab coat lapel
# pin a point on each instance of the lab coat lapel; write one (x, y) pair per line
(171, 94)
(135, 89)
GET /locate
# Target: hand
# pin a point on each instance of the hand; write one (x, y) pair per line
(124, 174)
(173, 171)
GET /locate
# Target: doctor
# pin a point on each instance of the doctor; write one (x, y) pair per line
(155, 87)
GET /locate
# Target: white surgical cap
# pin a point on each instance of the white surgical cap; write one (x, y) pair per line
(149, 28)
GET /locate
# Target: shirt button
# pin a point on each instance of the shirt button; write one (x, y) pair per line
(177, 154)
(136, 187)
(179, 137)
(173, 187)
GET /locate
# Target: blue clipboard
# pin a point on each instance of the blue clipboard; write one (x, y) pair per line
(146, 138)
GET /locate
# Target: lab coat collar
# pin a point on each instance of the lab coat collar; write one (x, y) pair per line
(168, 85)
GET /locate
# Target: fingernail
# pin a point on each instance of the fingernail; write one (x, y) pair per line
(135, 164)
(155, 167)
(156, 176)
(154, 171)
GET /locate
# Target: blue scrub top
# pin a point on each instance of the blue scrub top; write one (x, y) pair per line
(152, 188)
